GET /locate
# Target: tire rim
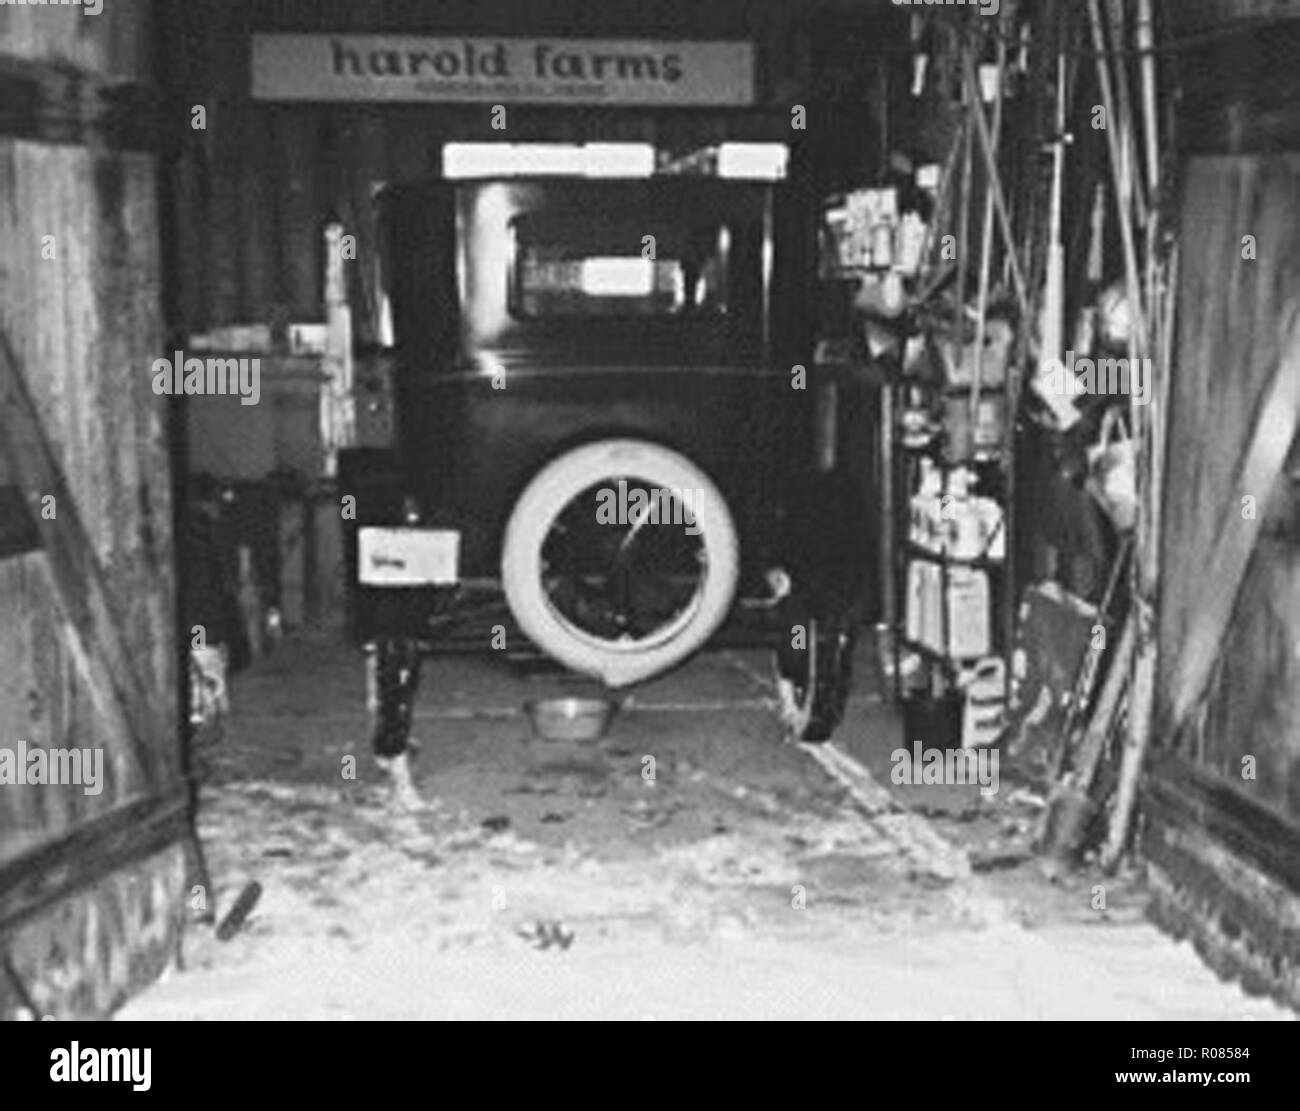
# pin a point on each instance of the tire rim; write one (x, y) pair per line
(626, 586)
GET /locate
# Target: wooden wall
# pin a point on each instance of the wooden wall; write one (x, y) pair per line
(252, 193)
(87, 644)
(114, 45)
(1223, 792)
(1231, 351)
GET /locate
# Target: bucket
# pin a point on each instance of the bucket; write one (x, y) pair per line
(1070, 816)
(984, 710)
(570, 719)
(935, 722)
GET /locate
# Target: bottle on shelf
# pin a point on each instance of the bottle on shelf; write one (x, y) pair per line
(969, 611)
(961, 525)
(927, 506)
(972, 524)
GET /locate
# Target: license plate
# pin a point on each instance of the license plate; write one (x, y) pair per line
(408, 556)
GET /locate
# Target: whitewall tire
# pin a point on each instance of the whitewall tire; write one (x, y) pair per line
(620, 658)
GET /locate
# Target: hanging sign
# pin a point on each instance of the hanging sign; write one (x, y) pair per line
(534, 71)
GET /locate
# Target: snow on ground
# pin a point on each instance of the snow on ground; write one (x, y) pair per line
(557, 882)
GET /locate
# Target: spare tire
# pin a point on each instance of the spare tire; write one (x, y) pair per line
(606, 586)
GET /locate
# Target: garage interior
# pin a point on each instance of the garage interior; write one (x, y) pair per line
(1004, 723)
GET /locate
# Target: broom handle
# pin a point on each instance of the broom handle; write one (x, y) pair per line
(986, 256)
(1103, 717)
(995, 183)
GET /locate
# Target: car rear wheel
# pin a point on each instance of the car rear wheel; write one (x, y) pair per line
(620, 560)
(813, 681)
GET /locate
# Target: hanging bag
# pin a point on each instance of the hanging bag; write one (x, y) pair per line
(1112, 471)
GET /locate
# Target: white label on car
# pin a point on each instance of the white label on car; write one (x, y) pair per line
(408, 556)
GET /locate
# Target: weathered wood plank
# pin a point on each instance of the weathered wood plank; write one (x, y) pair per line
(1235, 364)
(1189, 16)
(1252, 714)
(88, 851)
(1244, 924)
(258, 301)
(1261, 467)
(82, 957)
(114, 42)
(81, 591)
(84, 429)
(1179, 793)
(219, 26)
(90, 883)
(299, 213)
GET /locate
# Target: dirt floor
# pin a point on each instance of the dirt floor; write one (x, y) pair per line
(731, 876)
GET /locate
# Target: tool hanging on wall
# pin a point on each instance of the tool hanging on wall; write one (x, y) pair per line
(1071, 809)
(986, 247)
(989, 152)
(1121, 145)
(1052, 319)
(1086, 679)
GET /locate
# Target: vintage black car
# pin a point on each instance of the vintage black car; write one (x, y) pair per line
(607, 413)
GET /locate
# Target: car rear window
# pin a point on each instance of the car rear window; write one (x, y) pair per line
(566, 266)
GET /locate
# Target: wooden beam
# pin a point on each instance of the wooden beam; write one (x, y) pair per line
(1185, 795)
(61, 104)
(89, 852)
(1238, 918)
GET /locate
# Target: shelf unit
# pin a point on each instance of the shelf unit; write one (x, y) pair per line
(939, 671)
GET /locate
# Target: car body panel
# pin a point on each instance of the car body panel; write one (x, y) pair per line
(505, 359)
